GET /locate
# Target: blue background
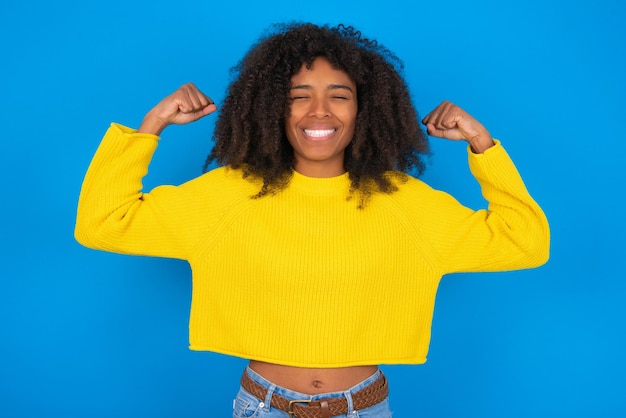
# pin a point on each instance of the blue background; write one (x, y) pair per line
(93, 334)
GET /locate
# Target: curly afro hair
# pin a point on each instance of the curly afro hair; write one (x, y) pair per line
(250, 130)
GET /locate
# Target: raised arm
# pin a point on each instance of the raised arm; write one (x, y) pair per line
(114, 214)
(512, 233)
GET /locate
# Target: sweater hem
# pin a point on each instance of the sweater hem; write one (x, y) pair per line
(315, 365)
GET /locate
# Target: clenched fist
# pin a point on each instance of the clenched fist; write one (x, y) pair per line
(451, 122)
(185, 105)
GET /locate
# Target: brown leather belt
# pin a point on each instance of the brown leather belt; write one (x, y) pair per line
(321, 408)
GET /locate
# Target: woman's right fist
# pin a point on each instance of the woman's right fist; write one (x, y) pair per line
(185, 105)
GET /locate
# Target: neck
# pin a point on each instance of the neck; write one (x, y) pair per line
(319, 170)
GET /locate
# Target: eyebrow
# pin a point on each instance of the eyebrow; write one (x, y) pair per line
(330, 87)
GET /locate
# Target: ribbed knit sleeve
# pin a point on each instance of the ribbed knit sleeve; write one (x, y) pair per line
(512, 233)
(114, 214)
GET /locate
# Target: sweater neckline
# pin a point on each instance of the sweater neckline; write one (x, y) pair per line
(321, 185)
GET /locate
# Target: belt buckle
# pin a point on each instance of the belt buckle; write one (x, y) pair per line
(291, 403)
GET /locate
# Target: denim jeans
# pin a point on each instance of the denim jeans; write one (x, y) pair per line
(246, 405)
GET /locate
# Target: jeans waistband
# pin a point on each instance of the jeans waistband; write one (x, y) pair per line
(293, 395)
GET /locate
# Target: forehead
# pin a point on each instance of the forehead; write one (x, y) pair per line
(320, 70)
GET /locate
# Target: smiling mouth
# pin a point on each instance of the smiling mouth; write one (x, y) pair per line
(319, 133)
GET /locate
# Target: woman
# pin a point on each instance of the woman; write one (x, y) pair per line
(314, 254)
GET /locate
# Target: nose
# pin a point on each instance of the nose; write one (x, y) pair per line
(319, 109)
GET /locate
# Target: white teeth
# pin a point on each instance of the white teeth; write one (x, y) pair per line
(318, 133)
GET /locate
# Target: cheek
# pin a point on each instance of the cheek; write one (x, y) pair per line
(290, 126)
(350, 119)
(290, 131)
(293, 116)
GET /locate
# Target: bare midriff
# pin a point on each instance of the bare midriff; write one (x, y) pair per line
(313, 381)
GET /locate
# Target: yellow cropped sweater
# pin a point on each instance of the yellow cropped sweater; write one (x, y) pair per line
(304, 277)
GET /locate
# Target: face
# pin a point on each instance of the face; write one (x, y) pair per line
(321, 120)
